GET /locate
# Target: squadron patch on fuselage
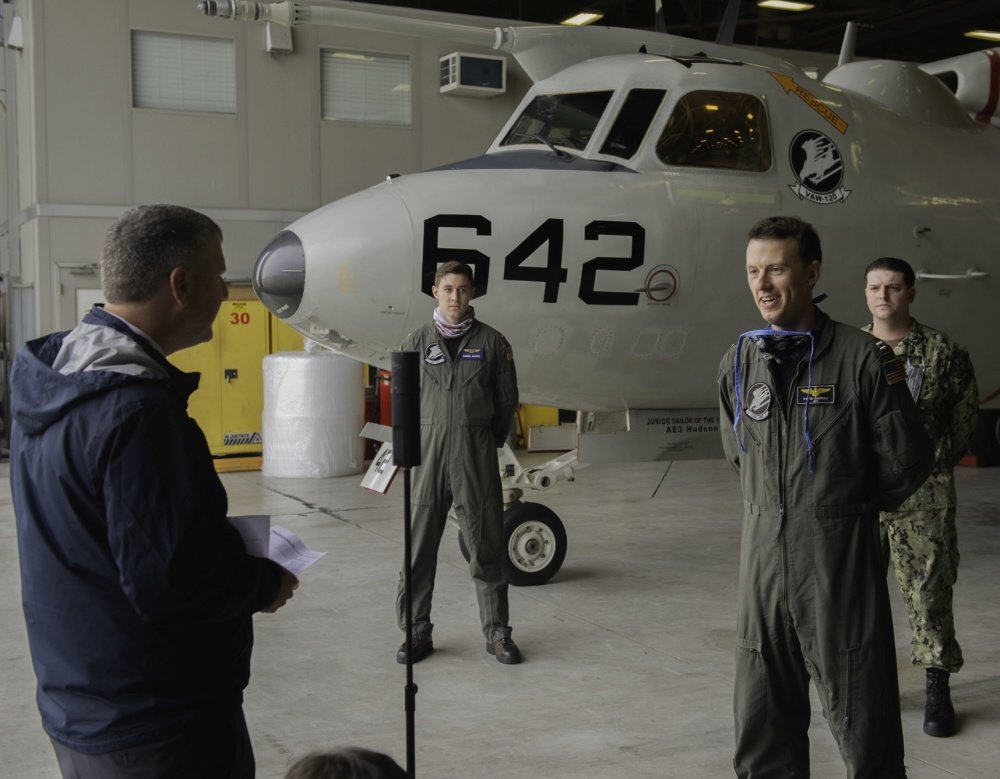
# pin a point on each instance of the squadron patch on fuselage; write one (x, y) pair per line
(816, 395)
(433, 355)
(758, 404)
(819, 168)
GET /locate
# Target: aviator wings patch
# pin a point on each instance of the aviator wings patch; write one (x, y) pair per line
(816, 395)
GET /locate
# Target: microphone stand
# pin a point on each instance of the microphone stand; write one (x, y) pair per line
(411, 688)
(405, 454)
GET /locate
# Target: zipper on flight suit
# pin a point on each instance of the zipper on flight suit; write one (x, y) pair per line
(846, 692)
(787, 409)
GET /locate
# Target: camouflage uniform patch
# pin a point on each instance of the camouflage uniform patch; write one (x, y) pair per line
(920, 537)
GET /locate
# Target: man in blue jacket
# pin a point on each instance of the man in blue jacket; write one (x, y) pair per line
(137, 592)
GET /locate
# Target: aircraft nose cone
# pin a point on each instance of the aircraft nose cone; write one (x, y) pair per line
(279, 277)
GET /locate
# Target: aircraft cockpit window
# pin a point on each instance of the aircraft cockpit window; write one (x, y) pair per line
(632, 122)
(709, 129)
(559, 120)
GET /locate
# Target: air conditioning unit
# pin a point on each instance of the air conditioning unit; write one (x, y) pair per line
(473, 75)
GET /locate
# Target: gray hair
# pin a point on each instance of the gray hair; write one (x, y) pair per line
(146, 243)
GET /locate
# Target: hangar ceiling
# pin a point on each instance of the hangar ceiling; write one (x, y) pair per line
(915, 30)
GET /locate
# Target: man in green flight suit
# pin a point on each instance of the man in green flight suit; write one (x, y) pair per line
(468, 396)
(816, 418)
(920, 536)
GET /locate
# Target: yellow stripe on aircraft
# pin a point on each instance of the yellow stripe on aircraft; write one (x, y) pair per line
(788, 84)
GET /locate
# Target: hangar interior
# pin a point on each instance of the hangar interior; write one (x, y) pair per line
(628, 650)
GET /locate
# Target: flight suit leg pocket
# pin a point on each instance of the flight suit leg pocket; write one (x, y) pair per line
(853, 706)
(750, 691)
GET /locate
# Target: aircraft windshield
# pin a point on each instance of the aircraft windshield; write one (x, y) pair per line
(632, 122)
(709, 129)
(559, 120)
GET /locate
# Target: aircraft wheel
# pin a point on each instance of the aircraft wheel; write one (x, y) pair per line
(536, 543)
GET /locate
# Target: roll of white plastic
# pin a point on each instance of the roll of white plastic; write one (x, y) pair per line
(314, 410)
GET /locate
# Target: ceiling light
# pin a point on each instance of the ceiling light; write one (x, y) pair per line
(784, 5)
(585, 17)
(986, 35)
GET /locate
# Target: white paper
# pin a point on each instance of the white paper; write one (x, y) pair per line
(288, 551)
(276, 543)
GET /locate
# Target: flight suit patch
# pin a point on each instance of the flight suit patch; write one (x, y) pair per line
(758, 405)
(892, 366)
(433, 355)
(816, 395)
(472, 354)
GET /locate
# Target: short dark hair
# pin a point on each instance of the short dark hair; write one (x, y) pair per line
(779, 228)
(346, 763)
(453, 266)
(895, 265)
(149, 241)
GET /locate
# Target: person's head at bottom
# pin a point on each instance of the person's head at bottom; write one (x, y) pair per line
(346, 763)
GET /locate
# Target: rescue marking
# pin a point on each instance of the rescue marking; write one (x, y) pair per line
(788, 84)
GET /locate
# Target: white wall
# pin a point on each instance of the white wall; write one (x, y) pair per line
(84, 153)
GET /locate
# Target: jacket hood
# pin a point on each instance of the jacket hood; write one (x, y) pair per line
(54, 373)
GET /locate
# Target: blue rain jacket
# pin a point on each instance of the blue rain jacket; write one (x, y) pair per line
(137, 592)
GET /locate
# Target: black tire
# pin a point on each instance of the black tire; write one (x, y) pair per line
(535, 540)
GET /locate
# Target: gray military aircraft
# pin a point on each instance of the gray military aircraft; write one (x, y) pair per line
(606, 223)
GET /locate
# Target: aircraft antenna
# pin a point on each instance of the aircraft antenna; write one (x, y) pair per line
(727, 30)
(659, 19)
(850, 41)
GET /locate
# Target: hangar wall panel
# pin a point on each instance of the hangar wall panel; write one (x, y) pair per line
(86, 94)
(188, 158)
(283, 122)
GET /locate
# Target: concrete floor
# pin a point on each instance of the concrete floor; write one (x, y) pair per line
(628, 650)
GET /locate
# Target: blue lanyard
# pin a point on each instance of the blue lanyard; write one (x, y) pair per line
(739, 390)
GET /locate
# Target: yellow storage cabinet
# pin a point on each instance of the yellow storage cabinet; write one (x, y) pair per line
(229, 401)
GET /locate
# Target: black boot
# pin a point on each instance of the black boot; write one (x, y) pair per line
(939, 716)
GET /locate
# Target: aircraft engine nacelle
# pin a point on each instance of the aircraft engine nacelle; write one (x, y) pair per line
(975, 81)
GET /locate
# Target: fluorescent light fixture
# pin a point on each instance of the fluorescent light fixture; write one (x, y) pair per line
(582, 18)
(986, 35)
(784, 5)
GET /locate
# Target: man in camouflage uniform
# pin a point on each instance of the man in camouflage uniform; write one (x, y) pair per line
(920, 536)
